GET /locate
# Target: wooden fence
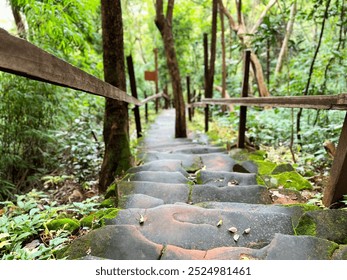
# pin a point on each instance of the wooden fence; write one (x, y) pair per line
(19, 57)
(337, 186)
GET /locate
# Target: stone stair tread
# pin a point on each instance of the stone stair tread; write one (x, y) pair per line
(199, 149)
(223, 178)
(169, 193)
(193, 162)
(294, 211)
(245, 194)
(140, 201)
(192, 227)
(164, 216)
(173, 177)
(160, 165)
(123, 242)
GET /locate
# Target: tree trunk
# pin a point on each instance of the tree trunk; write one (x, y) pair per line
(224, 68)
(242, 33)
(289, 32)
(19, 21)
(164, 24)
(117, 157)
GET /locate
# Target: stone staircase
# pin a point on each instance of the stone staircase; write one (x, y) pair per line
(186, 202)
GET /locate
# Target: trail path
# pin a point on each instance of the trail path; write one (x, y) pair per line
(185, 200)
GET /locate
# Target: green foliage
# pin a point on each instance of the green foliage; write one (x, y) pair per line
(34, 227)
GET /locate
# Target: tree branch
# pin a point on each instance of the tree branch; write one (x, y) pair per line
(262, 16)
(169, 12)
(160, 19)
(232, 22)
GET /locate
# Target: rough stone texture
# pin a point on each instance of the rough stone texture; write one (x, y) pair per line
(293, 211)
(159, 176)
(222, 179)
(286, 247)
(116, 243)
(198, 149)
(222, 253)
(189, 162)
(246, 167)
(140, 201)
(169, 193)
(243, 194)
(327, 224)
(157, 222)
(192, 227)
(160, 165)
(341, 253)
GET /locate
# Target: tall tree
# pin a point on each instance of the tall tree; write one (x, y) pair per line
(245, 37)
(164, 24)
(117, 157)
(289, 32)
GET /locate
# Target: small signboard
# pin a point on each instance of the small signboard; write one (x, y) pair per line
(151, 75)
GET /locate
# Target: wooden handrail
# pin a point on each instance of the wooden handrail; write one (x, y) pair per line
(152, 97)
(327, 102)
(18, 56)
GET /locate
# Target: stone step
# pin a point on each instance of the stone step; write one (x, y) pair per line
(126, 242)
(244, 194)
(167, 177)
(160, 165)
(192, 227)
(194, 162)
(168, 193)
(223, 179)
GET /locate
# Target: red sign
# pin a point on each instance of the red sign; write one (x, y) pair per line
(151, 76)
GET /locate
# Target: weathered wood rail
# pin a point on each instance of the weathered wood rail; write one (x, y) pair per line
(19, 57)
(337, 186)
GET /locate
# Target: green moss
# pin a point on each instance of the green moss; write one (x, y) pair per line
(265, 167)
(111, 191)
(257, 155)
(190, 186)
(304, 207)
(285, 167)
(198, 177)
(333, 248)
(98, 218)
(306, 226)
(109, 203)
(65, 223)
(293, 180)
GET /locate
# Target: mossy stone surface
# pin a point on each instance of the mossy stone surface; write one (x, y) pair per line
(286, 167)
(265, 167)
(306, 226)
(328, 224)
(64, 223)
(98, 218)
(293, 180)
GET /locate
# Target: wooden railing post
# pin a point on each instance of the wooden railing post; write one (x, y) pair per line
(194, 94)
(243, 109)
(134, 94)
(188, 99)
(337, 186)
(167, 98)
(146, 107)
(156, 81)
(207, 113)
